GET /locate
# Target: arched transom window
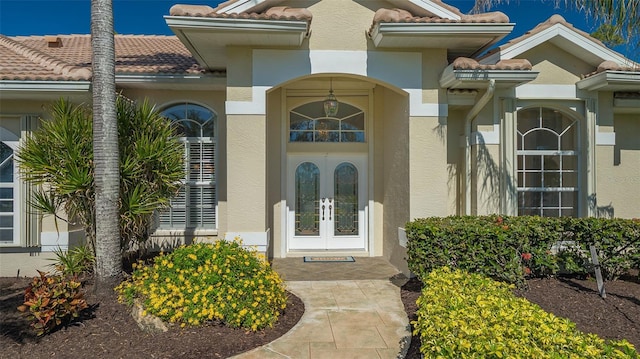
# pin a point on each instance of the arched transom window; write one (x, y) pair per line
(548, 160)
(308, 123)
(195, 205)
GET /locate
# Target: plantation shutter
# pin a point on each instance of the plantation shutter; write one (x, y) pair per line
(195, 205)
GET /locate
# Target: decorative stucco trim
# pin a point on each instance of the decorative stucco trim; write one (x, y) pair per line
(486, 137)
(50, 241)
(274, 67)
(547, 92)
(259, 240)
(257, 105)
(605, 138)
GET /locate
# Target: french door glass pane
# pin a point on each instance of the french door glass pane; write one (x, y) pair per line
(307, 217)
(346, 200)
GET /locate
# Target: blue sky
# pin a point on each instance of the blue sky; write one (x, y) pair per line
(54, 17)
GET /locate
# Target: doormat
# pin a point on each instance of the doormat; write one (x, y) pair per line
(329, 259)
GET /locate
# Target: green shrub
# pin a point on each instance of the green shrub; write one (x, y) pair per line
(512, 248)
(462, 315)
(57, 159)
(52, 301)
(617, 242)
(208, 282)
(491, 245)
(74, 262)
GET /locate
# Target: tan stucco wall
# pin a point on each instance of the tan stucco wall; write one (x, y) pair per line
(428, 174)
(391, 172)
(433, 63)
(556, 66)
(340, 24)
(239, 73)
(618, 171)
(455, 156)
(25, 264)
(274, 171)
(246, 173)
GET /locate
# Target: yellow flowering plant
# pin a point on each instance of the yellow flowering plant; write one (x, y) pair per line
(463, 315)
(208, 282)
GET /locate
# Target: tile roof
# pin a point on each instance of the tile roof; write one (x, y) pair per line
(464, 63)
(558, 19)
(611, 66)
(404, 16)
(68, 57)
(281, 13)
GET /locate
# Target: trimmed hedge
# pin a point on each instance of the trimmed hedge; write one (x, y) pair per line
(462, 315)
(511, 248)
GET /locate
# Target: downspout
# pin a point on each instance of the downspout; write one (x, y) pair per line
(473, 113)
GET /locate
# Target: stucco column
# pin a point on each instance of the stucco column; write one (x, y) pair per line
(509, 182)
(589, 148)
(246, 153)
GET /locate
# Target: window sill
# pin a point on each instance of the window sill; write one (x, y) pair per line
(185, 232)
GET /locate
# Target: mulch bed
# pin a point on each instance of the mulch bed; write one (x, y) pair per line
(615, 317)
(109, 331)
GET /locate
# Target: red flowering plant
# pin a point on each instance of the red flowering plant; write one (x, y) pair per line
(526, 263)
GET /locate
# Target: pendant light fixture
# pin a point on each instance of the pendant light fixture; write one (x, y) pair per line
(331, 102)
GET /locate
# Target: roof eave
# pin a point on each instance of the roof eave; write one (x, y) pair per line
(40, 89)
(478, 79)
(471, 38)
(210, 51)
(611, 81)
(172, 81)
(41, 85)
(231, 24)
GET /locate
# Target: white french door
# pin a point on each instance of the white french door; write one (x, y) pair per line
(326, 202)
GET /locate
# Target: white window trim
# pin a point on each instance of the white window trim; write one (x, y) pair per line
(575, 152)
(17, 197)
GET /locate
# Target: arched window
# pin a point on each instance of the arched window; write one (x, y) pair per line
(195, 205)
(308, 123)
(548, 181)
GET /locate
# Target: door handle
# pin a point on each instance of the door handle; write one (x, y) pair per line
(323, 209)
(330, 208)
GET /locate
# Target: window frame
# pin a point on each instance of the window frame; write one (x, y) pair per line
(521, 170)
(316, 119)
(188, 183)
(12, 141)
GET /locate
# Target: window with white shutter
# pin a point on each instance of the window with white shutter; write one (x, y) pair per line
(195, 205)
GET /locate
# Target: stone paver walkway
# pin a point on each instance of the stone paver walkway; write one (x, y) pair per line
(343, 319)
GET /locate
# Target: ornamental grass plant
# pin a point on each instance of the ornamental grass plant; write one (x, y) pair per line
(202, 283)
(463, 315)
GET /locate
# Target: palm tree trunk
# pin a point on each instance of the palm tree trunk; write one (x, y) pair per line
(105, 142)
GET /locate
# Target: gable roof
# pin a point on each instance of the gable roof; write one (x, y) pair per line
(422, 8)
(561, 33)
(68, 57)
